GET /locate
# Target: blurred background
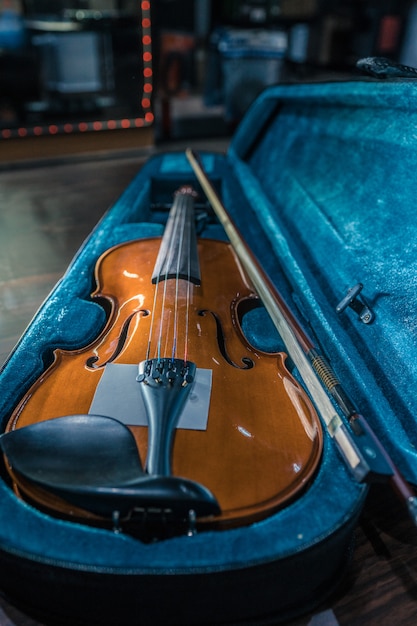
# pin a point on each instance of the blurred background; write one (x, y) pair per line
(183, 68)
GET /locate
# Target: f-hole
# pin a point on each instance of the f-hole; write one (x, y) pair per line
(91, 362)
(221, 342)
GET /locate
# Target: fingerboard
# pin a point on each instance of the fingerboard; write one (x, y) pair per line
(178, 254)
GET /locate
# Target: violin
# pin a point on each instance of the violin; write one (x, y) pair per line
(251, 440)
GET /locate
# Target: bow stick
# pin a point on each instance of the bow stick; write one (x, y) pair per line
(361, 449)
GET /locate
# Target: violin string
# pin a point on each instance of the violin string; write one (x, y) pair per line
(177, 283)
(153, 318)
(162, 315)
(177, 233)
(155, 298)
(188, 287)
(177, 214)
(187, 310)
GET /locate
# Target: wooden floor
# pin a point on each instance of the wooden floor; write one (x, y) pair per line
(46, 212)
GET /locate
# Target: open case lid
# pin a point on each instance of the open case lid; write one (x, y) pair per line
(328, 170)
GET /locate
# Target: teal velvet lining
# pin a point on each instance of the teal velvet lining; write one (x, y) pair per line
(68, 319)
(260, 332)
(320, 181)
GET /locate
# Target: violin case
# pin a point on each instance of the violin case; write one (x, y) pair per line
(319, 178)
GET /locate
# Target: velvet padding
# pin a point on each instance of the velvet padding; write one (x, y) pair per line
(319, 179)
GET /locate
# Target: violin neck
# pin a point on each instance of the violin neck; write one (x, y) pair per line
(178, 255)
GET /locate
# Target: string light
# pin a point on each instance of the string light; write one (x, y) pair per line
(147, 62)
(144, 99)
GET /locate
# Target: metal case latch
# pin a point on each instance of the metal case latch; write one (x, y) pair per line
(353, 301)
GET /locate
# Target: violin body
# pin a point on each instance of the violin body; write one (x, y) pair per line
(263, 441)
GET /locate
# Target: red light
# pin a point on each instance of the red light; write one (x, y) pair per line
(146, 103)
(68, 128)
(111, 124)
(37, 130)
(82, 127)
(138, 122)
(125, 123)
(147, 72)
(145, 6)
(22, 132)
(147, 88)
(146, 40)
(149, 117)
(97, 125)
(146, 22)
(147, 56)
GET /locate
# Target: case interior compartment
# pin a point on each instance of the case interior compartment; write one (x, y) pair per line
(303, 180)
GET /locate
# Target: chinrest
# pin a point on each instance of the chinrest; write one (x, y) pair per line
(92, 461)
